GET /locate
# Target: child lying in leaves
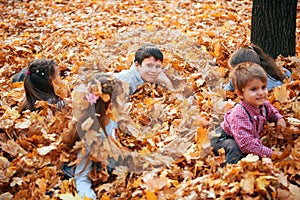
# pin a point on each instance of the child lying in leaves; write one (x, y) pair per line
(39, 79)
(94, 101)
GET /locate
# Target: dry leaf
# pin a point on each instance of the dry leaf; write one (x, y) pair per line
(45, 150)
(247, 183)
(197, 40)
(22, 123)
(281, 94)
(69, 196)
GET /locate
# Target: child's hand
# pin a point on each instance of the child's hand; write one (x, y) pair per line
(276, 155)
(162, 77)
(282, 124)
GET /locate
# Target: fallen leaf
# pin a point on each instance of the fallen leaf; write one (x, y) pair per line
(281, 94)
(45, 150)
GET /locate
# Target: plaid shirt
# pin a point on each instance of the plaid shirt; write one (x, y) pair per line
(246, 133)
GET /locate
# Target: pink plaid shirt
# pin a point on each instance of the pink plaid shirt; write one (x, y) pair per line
(246, 133)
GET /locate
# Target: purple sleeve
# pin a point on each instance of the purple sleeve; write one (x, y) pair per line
(244, 134)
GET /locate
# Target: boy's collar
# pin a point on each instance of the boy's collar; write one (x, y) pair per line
(252, 109)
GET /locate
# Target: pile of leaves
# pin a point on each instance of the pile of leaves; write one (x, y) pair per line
(164, 153)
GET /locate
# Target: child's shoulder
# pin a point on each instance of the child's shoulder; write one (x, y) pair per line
(238, 110)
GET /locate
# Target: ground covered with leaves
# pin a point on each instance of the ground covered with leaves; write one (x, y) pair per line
(165, 152)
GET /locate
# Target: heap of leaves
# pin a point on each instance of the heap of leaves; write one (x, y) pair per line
(171, 158)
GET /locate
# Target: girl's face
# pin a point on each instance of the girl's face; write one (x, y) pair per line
(149, 69)
(254, 93)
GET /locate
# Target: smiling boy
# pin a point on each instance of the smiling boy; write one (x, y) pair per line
(242, 125)
(147, 67)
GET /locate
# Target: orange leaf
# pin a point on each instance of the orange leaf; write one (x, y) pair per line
(150, 195)
(202, 137)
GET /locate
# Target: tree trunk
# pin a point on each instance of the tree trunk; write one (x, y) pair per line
(273, 26)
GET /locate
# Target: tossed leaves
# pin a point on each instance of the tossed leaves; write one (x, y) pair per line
(163, 149)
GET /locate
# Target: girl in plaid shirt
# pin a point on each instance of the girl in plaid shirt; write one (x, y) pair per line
(242, 125)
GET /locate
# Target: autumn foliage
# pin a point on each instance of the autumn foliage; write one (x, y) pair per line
(164, 153)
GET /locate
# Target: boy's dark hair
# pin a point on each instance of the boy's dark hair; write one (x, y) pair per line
(255, 54)
(245, 72)
(38, 83)
(146, 51)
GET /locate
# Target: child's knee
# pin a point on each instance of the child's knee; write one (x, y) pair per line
(232, 146)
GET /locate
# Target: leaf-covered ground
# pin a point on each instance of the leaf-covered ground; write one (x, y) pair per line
(168, 155)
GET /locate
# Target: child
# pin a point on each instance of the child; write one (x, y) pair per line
(94, 101)
(146, 68)
(253, 53)
(244, 122)
(38, 84)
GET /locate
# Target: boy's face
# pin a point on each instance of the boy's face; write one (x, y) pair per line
(149, 69)
(255, 92)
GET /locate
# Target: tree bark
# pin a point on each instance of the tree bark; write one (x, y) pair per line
(273, 26)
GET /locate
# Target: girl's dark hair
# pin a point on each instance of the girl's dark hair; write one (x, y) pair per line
(112, 87)
(98, 111)
(38, 83)
(146, 51)
(268, 64)
(254, 53)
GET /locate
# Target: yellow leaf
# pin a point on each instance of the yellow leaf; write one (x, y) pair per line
(18, 85)
(41, 182)
(281, 94)
(26, 34)
(150, 27)
(263, 182)
(296, 108)
(247, 183)
(217, 49)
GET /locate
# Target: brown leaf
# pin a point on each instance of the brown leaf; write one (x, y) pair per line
(12, 148)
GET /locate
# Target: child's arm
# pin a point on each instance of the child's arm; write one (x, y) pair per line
(245, 133)
(282, 124)
(163, 79)
(273, 115)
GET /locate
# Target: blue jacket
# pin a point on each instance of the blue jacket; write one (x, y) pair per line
(132, 77)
